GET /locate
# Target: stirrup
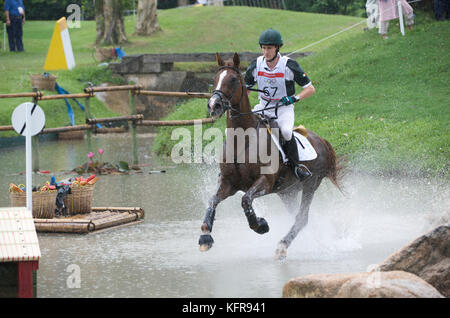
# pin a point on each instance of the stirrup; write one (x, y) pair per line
(302, 174)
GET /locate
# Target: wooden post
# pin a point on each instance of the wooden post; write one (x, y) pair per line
(35, 155)
(25, 288)
(400, 17)
(88, 132)
(133, 126)
(35, 144)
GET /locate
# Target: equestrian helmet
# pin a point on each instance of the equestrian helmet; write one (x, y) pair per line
(270, 37)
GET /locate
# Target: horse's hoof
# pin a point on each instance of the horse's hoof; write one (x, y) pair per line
(281, 252)
(205, 247)
(263, 226)
(205, 241)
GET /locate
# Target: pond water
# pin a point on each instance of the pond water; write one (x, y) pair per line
(160, 257)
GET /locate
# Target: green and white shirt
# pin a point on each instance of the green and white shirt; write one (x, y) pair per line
(279, 82)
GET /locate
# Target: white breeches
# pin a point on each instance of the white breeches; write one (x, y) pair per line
(285, 118)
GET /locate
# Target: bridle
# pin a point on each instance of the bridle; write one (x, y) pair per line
(224, 99)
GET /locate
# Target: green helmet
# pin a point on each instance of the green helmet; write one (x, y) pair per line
(270, 37)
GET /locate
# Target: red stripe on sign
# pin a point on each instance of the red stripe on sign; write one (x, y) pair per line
(270, 75)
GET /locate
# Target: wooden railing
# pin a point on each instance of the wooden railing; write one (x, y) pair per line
(135, 119)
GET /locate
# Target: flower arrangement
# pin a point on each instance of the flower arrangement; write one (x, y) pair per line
(100, 167)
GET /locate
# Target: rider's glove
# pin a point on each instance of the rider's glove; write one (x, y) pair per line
(288, 100)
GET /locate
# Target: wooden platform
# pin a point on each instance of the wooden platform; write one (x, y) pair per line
(99, 220)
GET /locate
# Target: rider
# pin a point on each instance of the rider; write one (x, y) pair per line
(276, 76)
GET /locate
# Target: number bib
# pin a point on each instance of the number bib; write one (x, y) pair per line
(272, 81)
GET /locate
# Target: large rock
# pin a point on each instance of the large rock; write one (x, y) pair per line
(427, 257)
(396, 284)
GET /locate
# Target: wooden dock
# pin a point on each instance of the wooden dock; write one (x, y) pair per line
(99, 220)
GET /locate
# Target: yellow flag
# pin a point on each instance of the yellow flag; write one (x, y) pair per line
(60, 54)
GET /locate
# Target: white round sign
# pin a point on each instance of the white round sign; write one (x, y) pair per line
(37, 119)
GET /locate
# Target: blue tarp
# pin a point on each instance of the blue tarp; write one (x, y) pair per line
(70, 113)
(119, 52)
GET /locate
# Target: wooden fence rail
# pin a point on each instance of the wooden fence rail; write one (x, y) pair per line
(176, 122)
(64, 96)
(20, 95)
(93, 121)
(176, 94)
(136, 119)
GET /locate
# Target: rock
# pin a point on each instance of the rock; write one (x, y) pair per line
(396, 284)
(315, 286)
(427, 257)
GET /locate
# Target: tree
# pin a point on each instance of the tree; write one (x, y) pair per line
(327, 6)
(109, 21)
(147, 18)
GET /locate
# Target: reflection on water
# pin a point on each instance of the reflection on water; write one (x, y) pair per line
(160, 257)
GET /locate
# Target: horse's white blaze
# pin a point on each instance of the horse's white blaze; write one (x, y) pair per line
(221, 77)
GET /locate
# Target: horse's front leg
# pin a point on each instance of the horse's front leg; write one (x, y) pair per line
(261, 187)
(224, 191)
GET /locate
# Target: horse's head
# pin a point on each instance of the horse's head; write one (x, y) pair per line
(228, 90)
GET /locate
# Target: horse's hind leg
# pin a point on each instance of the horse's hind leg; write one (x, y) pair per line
(261, 187)
(301, 218)
(290, 200)
(224, 191)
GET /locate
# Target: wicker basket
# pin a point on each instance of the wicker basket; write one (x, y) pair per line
(80, 200)
(44, 203)
(41, 82)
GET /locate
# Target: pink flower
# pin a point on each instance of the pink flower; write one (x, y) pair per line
(100, 151)
(90, 155)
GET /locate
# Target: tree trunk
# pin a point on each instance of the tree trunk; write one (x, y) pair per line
(147, 18)
(110, 23)
(182, 3)
(99, 20)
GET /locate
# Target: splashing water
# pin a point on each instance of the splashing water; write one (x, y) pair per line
(160, 258)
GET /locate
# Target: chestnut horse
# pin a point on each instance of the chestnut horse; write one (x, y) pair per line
(230, 96)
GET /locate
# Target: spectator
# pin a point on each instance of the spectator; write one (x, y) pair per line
(441, 9)
(388, 11)
(15, 18)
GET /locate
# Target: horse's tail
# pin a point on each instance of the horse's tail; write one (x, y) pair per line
(336, 166)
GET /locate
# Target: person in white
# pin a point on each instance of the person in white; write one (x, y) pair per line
(276, 76)
(389, 11)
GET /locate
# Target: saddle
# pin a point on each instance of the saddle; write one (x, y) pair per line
(305, 150)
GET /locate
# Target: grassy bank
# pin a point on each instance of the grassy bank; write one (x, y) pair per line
(382, 104)
(185, 30)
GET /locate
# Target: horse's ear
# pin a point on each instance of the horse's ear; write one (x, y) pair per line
(236, 60)
(219, 60)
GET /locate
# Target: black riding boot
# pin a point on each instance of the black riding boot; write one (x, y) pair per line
(301, 172)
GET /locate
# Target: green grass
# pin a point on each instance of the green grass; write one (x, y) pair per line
(207, 29)
(384, 105)
(16, 68)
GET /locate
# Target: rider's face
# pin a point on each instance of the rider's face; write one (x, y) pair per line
(269, 51)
